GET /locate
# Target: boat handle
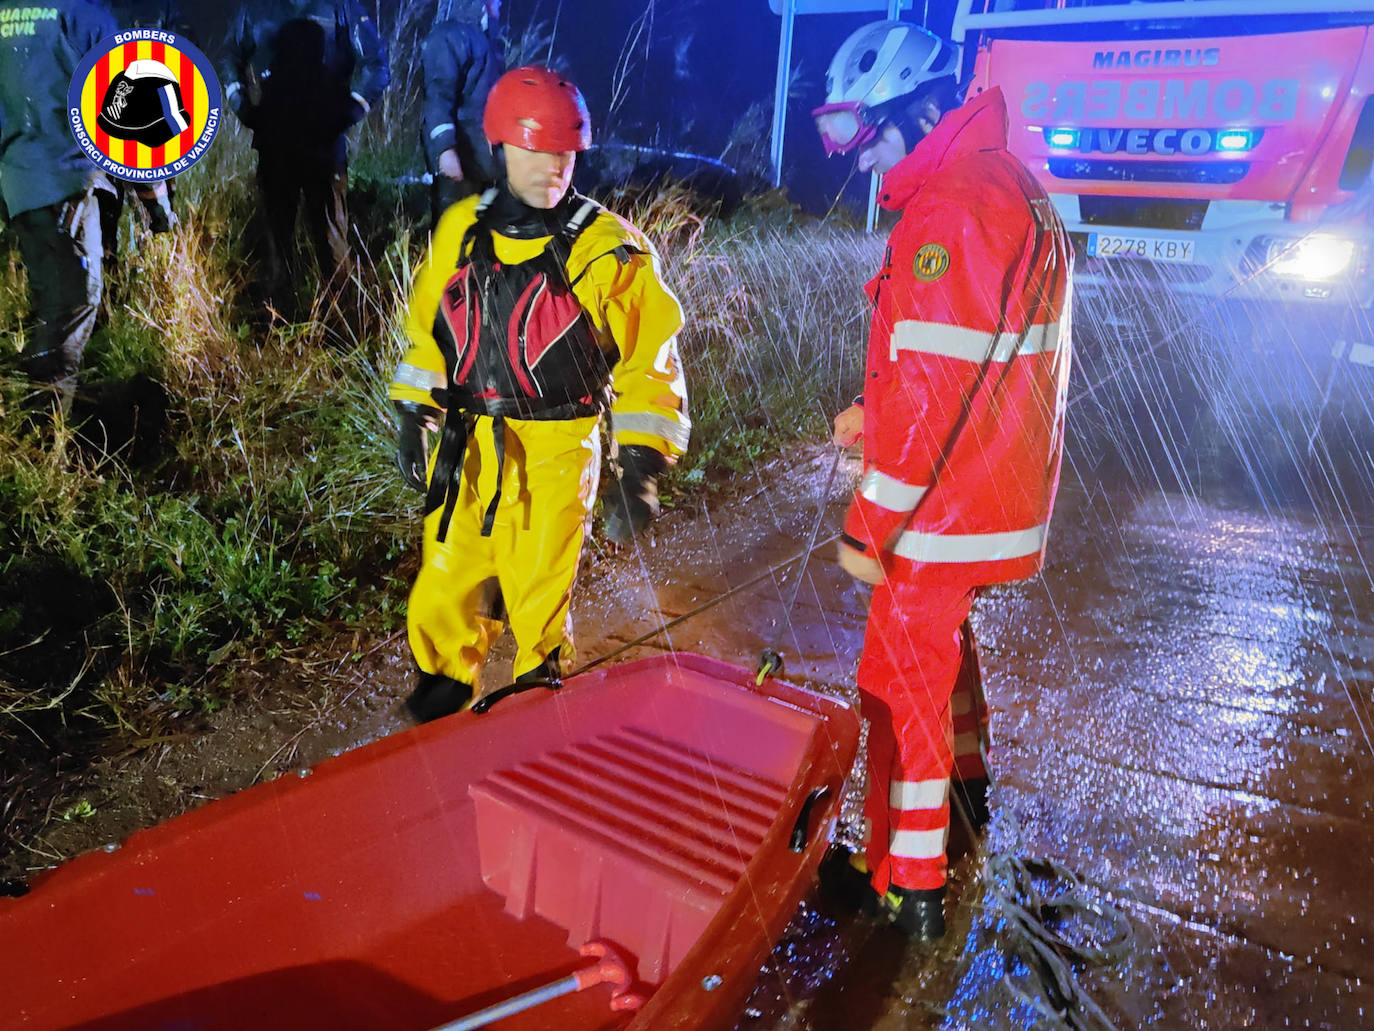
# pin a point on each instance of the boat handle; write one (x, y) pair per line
(485, 703)
(801, 830)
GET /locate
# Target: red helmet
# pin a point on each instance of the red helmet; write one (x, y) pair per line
(537, 109)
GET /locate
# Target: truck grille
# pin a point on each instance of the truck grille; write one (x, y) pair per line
(1220, 173)
(1142, 212)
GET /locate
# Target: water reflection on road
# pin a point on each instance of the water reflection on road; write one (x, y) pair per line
(1182, 715)
(1182, 711)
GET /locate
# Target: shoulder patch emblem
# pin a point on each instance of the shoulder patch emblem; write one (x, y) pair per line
(932, 262)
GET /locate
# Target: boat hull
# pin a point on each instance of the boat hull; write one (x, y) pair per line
(669, 806)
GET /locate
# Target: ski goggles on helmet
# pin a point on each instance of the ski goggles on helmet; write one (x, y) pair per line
(843, 126)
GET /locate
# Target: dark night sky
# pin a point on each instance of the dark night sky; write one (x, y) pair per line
(690, 78)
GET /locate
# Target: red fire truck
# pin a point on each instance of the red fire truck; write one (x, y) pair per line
(1213, 149)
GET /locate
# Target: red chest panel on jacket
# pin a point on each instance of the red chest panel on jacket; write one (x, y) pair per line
(515, 336)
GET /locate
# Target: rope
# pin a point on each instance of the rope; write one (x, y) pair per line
(1053, 925)
(815, 532)
(770, 661)
(708, 604)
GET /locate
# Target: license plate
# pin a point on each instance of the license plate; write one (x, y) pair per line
(1151, 248)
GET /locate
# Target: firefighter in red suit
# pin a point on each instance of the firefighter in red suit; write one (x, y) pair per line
(962, 420)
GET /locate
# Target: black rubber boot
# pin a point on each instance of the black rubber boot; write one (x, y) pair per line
(844, 880)
(547, 673)
(972, 796)
(436, 695)
(919, 913)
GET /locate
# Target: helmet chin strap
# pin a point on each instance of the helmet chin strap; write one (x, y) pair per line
(908, 117)
(902, 117)
(511, 216)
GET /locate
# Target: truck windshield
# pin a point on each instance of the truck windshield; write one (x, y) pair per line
(1144, 19)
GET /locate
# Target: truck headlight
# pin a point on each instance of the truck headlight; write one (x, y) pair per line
(1315, 256)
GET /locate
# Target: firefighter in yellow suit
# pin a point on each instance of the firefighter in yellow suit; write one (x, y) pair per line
(535, 312)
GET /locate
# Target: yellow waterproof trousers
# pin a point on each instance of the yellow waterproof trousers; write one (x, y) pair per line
(548, 486)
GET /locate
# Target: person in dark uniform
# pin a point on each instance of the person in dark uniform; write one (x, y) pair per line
(49, 185)
(462, 57)
(300, 74)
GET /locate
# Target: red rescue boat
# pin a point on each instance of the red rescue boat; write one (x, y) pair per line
(620, 854)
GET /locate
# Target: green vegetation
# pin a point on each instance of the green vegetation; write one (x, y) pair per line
(272, 513)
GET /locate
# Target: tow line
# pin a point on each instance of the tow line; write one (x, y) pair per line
(770, 659)
(710, 603)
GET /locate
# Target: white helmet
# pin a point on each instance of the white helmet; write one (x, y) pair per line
(879, 63)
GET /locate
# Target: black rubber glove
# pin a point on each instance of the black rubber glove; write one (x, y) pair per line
(634, 501)
(413, 421)
(246, 100)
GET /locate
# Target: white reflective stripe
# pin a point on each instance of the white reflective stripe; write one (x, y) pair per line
(960, 703)
(918, 794)
(171, 112)
(969, 547)
(918, 844)
(676, 430)
(965, 744)
(1038, 339)
(972, 345)
(891, 493)
(361, 100)
(440, 129)
(421, 379)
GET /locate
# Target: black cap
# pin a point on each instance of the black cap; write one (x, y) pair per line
(143, 103)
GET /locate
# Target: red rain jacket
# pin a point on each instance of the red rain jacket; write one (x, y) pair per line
(968, 360)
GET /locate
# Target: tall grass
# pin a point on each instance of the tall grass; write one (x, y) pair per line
(274, 513)
(776, 335)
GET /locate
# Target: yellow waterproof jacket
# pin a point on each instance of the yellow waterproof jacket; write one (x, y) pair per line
(631, 309)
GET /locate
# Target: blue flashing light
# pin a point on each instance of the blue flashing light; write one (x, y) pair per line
(1063, 138)
(1235, 139)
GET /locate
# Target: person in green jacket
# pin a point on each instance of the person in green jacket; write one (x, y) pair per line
(48, 184)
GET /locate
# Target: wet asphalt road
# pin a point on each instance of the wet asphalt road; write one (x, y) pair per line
(1182, 716)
